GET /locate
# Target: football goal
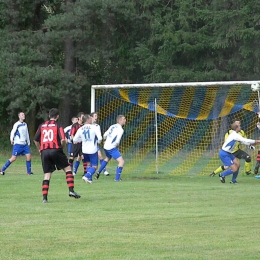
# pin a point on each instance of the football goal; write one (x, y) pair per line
(176, 128)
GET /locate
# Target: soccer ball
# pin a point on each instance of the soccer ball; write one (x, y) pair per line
(106, 173)
(255, 87)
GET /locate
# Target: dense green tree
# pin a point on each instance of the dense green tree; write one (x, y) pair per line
(51, 52)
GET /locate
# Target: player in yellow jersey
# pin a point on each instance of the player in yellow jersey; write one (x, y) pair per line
(238, 153)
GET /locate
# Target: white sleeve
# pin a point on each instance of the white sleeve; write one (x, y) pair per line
(27, 136)
(244, 140)
(13, 132)
(119, 136)
(106, 133)
(66, 129)
(98, 134)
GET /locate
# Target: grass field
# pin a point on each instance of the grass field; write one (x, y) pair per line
(151, 216)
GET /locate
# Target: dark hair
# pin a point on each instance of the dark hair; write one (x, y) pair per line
(93, 113)
(86, 117)
(54, 113)
(80, 114)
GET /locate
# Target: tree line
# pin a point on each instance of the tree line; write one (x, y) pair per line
(51, 52)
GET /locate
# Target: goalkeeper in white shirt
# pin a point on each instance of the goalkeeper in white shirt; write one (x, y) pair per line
(90, 135)
(230, 162)
(113, 137)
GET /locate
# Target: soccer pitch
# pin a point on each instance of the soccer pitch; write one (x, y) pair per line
(146, 216)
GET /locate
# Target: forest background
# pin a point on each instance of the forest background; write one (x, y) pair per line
(51, 52)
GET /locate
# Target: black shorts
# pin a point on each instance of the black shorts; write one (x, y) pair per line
(240, 154)
(76, 150)
(53, 159)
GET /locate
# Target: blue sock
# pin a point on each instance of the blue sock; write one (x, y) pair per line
(90, 172)
(118, 173)
(76, 166)
(234, 178)
(28, 167)
(226, 173)
(6, 165)
(102, 166)
(102, 160)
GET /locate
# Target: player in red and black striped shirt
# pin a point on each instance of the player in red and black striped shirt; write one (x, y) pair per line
(76, 148)
(50, 139)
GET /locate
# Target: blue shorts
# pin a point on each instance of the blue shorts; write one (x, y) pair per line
(226, 158)
(92, 158)
(113, 153)
(20, 149)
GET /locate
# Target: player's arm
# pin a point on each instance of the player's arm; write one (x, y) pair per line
(98, 135)
(72, 132)
(13, 133)
(106, 133)
(246, 141)
(61, 135)
(27, 136)
(36, 140)
(119, 136)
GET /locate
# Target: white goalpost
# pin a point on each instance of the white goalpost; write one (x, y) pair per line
(175, 128)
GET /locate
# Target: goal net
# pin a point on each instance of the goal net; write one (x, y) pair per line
(176, 128)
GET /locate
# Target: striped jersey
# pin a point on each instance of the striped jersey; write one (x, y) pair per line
(49, 135)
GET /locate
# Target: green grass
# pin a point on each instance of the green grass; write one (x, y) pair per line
(152, 216)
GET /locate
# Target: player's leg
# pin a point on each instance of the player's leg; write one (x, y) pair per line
(48, 168)
(100, 157)
(90, 170)
(228, 160)
(217, 171)
(72, 155)
(257, 165)
(61, 162)
(240, 154)
(119, 168)
(235, 169)
(104, 163)
(15, 152)
(76, 165)
(7, 164)
(77, 153)
(46, 186)
(27, 153)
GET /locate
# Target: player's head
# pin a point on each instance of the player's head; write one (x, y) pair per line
(120, 119)
(94, 116)
(236, 122)
(80, 116)
(54, 113)
(236, 126)
(74, 120)
(87, 119)
(21, 116)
